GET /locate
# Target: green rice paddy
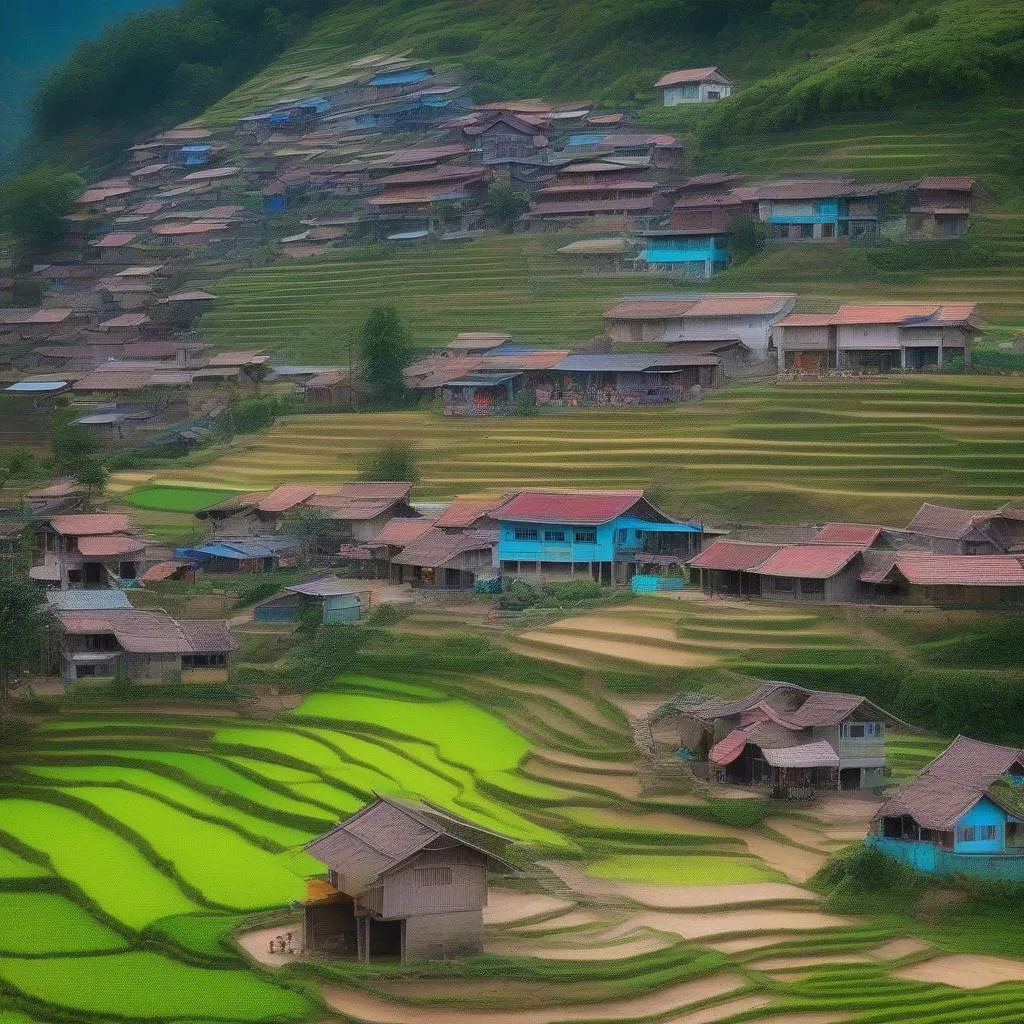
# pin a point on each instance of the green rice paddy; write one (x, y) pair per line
(175, 499)
(692, 869)
(43, 922)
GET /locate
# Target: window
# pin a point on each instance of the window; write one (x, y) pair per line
(623, 534)
(785, 585)
(434, 876)
(812, 588)
(989, 832)
(585, 536)
(554, 536)
(524, 533)
(966, 834)
(861, 730)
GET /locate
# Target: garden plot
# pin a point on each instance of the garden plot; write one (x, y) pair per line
(43, 922)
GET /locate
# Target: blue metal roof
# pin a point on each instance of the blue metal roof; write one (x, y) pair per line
(400, 77)
(587, 139)
(194, 149)
(37, 385)
(251, 547)
(88, 600)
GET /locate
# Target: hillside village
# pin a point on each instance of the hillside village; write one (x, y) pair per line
(669, 675)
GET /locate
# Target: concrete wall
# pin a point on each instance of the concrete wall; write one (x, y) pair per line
(702, 92)
(932, 860)
(439, 936)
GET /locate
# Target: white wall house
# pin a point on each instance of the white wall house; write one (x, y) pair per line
(694, 85)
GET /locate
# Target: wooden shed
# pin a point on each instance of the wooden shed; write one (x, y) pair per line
(405, 881)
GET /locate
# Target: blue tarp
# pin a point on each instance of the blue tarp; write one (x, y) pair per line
(400, 78)
(239, 550)
(194, 149)
(587, 139)
(37, 386)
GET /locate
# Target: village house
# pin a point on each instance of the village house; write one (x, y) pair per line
(694, 85)
(918, 577)
(609, 536)
(442, 560)
(513, 145)
(373, 558)
(249, 554)
(963, 814)
(405, 881)
(819, 210)
(792, 740)
(360, 509)
(878, 338)
(331, 600)
(142, 646)
(87, 550)
(594, 189)
(684, 318)
(255, 513)
(964, 531)
(658, 152)
(941, 207)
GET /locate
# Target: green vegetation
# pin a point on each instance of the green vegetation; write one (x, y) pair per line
(692, 869)
(385, 349)
(394, 461)
(43, 922)
(174, 499)
(33, 204)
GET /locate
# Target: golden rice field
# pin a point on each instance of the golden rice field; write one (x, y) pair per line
(871, 450)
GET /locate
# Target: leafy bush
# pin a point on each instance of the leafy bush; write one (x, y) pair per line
(742, 813)
(576, 590)
(387, 614)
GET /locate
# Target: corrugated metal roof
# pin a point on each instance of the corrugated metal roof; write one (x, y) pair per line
(586, 508)
(690, 75)
(88, 600)
(807, 755)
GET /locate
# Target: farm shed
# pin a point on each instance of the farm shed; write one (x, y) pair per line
(963, 531)
(255, 513)
(941, 207)
(782, 736)
(918, 577)
(243, 554)
(445, 561)
(336, 601)
(962, 815)
(405, 881)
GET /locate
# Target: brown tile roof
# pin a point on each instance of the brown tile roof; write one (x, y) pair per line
(541, 360)
(847, 533)
(210, 173)
(26, 317)
(809, 561)
(554, 209)
(464, 512)
(400, 532)
(327, 379)
(195, 295)
(688, 75)
(593, 167)
(953, 783)
(243, 357)
(207, 636)
(91, 524)
(285, 497)
(393, 490)
(436, 174)
(876, 566)
(162, 571)
(424, 154)
(806, 320)
(115, 239)
(104, 546)
(478, 340)
(652, 309)
(949, 313)
(738, 305)
(124, 322)
(817, 189)
(417, 194)
(435, 548)
(946, 184)
(433, 372)
(731, 555)
(199, 227)
(945, 522)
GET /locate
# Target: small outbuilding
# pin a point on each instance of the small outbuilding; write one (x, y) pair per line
(694, 85)
(405, 881)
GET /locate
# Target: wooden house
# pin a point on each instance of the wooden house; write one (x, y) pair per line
(750, 318)
(142, 646)
(941, 207)
(361, 508)
(442, 560)
(256, 512)
(332, 387)
(817, 210)
(944, 581)
(964, 531)
(782, 736)
(628, 379)
(87, 550)
(404, 881)
(608, 536)
(694, 85)
(593, 188)
(878, 338)
(963, 814)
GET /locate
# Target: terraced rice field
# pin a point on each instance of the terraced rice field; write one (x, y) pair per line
(871, 450)
(631, 908)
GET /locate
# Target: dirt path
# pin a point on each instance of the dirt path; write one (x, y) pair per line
(700, 926)
(899, 948)
(676, 897)
(965, 971)
(257, 944)
(506, 905)
(712, 1014)
(585, 763)
(788, 963)
(365, 1007)
(616, 951)
(648, 655)
(615, 625)
(748, 942)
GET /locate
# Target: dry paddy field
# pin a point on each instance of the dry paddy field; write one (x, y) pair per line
(870, 450)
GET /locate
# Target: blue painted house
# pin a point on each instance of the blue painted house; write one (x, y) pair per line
(609, 536)
(696, 254)
(963, 815)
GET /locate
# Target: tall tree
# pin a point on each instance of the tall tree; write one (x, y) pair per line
(92, 475)
(23, 626)
(504, 205)
(395, 460)
(385, 351)
(33, 204)
(72, 445)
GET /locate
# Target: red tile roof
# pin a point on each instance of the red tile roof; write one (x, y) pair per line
(946, 522)
(847, 533)
(634, 185)
(738, 305)
(649, 309)
(401, 532)
(424, 154)
(417, 194)
(924, 569)
(162, 571)
(435, 174)
(817, 189)
(806, 320)
(809, 561)
(733, 555)
(115, 239)
(375, 490)
(209, 173)
(104, 546)
(91, 524)
(541, 360)
(688, 75)
(727, 750)
(586, 508)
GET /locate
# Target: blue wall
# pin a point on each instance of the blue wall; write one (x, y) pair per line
(687, 249)
(557, 542)
(826, 211)
(931, 860)
(983, 813)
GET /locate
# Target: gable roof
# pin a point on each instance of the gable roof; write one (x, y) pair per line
(285, 497)
(434, 548)
(809, 561)
(847, 533)
(104, 546)
(401, 532)
(733, 555)
(88, 600)
(946, 522)
(91, 524)
(953, 783)
(463, 512)
(689, 75)
(586, 508)
(925, 569)
(152, 632)
(383, 836)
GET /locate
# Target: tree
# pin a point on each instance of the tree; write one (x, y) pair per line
(19, 465)
(504, 205)
(385, 351)
(747, 240)
(33, 205)
(23, 626)
(72, 445)
(92, 474)
(395, 460)
(257, 373)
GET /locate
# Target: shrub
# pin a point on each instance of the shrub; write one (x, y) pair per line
(576, 590)
(389, 614)
(742, 813)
